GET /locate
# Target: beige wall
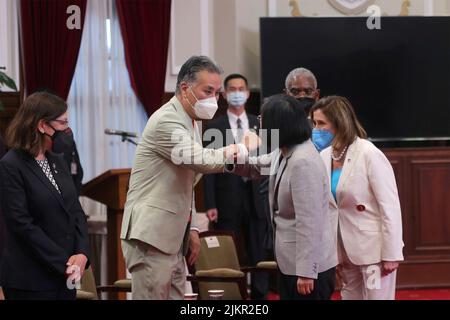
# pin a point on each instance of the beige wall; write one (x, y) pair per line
(232, 38)
(322, 8)
(228, 30)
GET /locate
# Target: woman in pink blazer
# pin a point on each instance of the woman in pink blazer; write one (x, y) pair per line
(364, 193)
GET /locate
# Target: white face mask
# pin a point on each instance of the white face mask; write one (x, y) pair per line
(204, 109)
(237, 98)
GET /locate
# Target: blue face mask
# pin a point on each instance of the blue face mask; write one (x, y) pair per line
(321, 138)
(237, 98)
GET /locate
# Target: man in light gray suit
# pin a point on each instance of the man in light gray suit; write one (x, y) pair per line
(159, 224)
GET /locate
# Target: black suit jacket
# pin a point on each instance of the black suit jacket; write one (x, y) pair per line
(44, 227)
(218, 186)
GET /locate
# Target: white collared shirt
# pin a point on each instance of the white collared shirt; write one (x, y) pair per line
(232, 118)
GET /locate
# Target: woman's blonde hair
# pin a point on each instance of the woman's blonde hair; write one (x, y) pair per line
(339, 111)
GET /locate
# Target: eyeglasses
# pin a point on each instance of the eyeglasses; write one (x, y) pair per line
(296, 91)
(62, 122)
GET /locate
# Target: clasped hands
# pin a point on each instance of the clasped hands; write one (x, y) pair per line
(75, 267)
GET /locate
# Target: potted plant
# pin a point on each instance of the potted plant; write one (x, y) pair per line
(6, 81)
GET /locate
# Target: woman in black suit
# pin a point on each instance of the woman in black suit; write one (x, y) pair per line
(47, 242)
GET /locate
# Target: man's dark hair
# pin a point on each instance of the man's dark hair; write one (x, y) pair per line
(195, 64)
(286, 114)
(234, 76)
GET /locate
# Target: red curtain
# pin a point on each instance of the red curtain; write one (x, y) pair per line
(49, 48)
(145, 26)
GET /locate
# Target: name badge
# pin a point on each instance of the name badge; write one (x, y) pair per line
(212, 242)
(73, 168)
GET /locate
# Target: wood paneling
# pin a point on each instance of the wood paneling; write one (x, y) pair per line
(430, 195)
(11, 103)
(424, 274)
(423, 178)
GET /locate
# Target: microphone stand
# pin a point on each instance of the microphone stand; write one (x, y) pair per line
(125, 138)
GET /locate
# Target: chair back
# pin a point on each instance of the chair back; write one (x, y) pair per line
(218, 251)
(88, 290)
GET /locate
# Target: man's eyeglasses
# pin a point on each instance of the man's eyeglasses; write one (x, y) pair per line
(297, 91)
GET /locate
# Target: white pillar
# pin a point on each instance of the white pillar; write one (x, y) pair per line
(428, 8)
(272, 8)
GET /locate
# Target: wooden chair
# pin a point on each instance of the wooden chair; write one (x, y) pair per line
(90, 291)
(218, 267)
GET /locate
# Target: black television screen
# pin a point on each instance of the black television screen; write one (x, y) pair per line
(397, 78)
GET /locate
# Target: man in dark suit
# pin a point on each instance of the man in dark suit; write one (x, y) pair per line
(233, 203)
(65, 144)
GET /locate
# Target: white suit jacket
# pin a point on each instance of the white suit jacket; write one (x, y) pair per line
(168, 163)
(370, 221)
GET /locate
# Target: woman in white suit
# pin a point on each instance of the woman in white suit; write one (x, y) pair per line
(364, 193)
(304, 231)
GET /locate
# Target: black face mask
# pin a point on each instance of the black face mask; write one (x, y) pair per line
(62, 140)
(306, 103)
